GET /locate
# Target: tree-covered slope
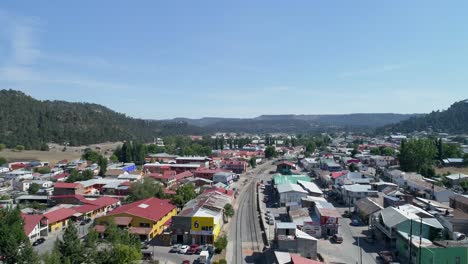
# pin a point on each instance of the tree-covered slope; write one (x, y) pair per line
(30, 122)
(453, 120)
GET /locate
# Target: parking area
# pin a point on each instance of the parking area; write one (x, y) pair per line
(169, 255)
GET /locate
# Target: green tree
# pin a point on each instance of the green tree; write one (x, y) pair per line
(3, 161)
(354, 152)
(2, 146)
(253, 162)
(145, 189)
(71, 247)
(114, 158)
(416, 154)
(353, 167)
(375, 151)
(102, 162)
(184, 194)
(44, 147)
(52, 257)
(33, 188)
(14, 244)
(123, 254)
(270, 152)
(222, 261)
(220, 244)
(43, 170)
(91, 155)
(228, 210)
(19, 148)
(386, 151)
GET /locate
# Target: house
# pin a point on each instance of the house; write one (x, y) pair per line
(18, 175)
(417, 249)
(293, 179)
(459, 202)
(456, 179)
(161, 167)
(201, 219)
(35, 226)
(167, 177)
(206, 173)
(290, 193)
(65, 188)
(236, 166)
(292, 258)
(311, 188)
(367, 206)
(351, 193)
(145, 218)
(59, 218)
(453, 162)
(330, 165)
(429, 190)
(405, 218)
(309, 164)
(285, 167)
(202, 161)
(382, 161)
(350, 178)
(224, 177)
(290, 239)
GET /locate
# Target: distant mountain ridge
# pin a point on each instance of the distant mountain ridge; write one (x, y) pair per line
(297, 123)
(452, 120)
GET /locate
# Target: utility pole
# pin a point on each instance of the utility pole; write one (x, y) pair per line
(410, 240)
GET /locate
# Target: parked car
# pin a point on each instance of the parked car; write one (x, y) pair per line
(144, 245)
(39, 241)
(337, 238)
(193, 249)
(183, 249)
(355, 222)
(210, 248)
(186, 261)
(175, 248)
(271, 222)
(201, 248)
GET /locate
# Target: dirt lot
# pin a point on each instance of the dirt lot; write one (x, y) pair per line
(57, 153)
(452, 170)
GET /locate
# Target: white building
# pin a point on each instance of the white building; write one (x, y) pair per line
(290, 193)
(352, 193)
(18, 175)
(224, 177)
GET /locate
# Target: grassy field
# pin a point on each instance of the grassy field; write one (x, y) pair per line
(452, 170)
(57, 153)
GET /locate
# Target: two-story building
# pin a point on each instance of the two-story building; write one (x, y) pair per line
(146, 218)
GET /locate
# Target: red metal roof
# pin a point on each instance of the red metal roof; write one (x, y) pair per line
(151, 208)
(66, 185)
(31, 221)
(59, 215)
(221, 190)
(86, 208)
(102, 201)
(100, 228)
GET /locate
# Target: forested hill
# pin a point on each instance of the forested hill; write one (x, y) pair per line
(453, 120)
(30, 122)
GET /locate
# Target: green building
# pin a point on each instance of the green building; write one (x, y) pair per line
(425, 251)
(282, 179)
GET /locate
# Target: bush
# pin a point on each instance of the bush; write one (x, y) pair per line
(19, 148)
(222, 261)
(220, 244)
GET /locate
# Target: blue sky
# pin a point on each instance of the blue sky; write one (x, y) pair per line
(151, 59)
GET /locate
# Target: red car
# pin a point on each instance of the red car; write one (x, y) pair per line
(193, 249)
(186, 262)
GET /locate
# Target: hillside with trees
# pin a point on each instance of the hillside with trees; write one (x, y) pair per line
(31, 123)
(453, 120)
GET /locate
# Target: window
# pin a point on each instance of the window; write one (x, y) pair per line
(144, 225)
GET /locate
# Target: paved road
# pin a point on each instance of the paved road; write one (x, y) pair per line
(245, 235)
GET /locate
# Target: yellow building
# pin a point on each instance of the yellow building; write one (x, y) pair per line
(146, 218)
(201, 219)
